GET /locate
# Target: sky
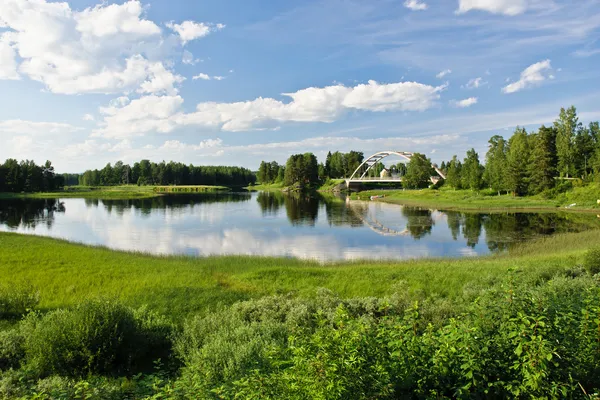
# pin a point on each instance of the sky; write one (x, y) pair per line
(84, 83)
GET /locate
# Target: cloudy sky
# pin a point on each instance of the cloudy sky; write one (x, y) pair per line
(232, 82)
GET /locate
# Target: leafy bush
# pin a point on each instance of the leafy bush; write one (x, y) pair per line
(11, 348)
(592, 261)
(16, 300)
(97, 337)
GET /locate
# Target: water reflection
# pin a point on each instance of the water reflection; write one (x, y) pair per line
(16, 213)
(277, 224)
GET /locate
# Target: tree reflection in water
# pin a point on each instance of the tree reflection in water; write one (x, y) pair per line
(29, 213)
(497, 230)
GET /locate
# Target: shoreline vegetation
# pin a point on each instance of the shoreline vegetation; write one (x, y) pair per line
(88, 322)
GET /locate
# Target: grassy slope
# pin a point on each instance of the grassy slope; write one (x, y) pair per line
(585, 198)
(66, 273)
(106, 192)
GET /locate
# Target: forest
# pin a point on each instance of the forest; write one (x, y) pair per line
(27, 176)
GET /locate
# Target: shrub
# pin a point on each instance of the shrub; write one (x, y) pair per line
(11, 348)
(97, 337)
(16, 300)
(591, 261)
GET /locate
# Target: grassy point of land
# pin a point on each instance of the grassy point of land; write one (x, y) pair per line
(585, 199)
(125, 192)
(67, 273)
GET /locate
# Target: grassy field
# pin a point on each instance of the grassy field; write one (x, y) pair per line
(66, 273)
(585, 199)
(125, 192)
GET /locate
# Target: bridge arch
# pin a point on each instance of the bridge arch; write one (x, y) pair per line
(375, 158)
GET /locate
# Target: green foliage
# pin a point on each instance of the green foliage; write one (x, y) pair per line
(518, 158)
(302, 170)
(592, 261)
(27, 176)
(472, 171)
(418, 172)
(17, 299)
(566, 127)
(97, 337)
(496, 164)
(454, 173)
(12, 351)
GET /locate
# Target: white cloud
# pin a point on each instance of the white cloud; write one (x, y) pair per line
(474, 83)
(533, 75)
(190, 30)
(218, 78)
(8, 62)
(97, 50)
(506, 7)
(18, 126)
(443, 73)
(146, 114)
(464, 103)
(202, 76)
(162, 113)
(188, 58)
(415, 5)
(109, 20)
(88, 117)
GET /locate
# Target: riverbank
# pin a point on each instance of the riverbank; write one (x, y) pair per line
(67, 273)
(578, 199)
(125, 192)
(113, 325)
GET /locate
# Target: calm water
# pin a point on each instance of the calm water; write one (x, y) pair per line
(273, 224)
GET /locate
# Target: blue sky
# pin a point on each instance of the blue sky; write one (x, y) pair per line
(235, 82)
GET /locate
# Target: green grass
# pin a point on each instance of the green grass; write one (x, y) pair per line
(267, 187)
(584, 197)
(67, 273)
(125, 192)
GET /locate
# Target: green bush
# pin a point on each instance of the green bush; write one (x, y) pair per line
(591, 261)
(11, 348)
(16, 300)
(97, 337)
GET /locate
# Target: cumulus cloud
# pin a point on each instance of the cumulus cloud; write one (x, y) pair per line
(533, 75)
(8, 62)
(124, 118)
(474, 83)
(415, 5)
(188, 58)
(163, 114)
(506, 7)
(190, 30)
(464, 103)
(202, 76)
(443, 73)
(88, 117)
(97, 50)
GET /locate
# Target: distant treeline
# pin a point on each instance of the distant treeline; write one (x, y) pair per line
(27, 176)
(534, 162)
(527, 163)
(146, 172)
(305, 169)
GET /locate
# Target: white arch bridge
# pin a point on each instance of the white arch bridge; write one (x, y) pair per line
(360, 175)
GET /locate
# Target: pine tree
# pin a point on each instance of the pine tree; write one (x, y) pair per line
(542, 165)
(472, 171)
(517, 174)
(453, 177)
(566, 127)
(495, 164)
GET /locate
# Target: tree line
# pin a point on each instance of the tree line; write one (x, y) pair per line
(27, 176)
(305, 170)
(529, 163)
(146, 172)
